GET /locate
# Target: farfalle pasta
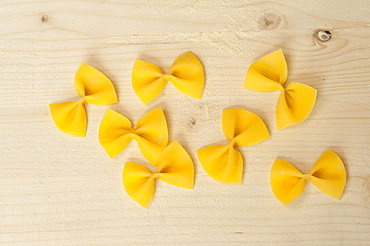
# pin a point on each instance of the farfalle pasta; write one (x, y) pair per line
(186, 74)
(296, 100)
(94, 88)
(174, 167)
(328, 175)
(151, 134)
(242, 128)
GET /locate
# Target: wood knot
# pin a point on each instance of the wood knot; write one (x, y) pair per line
(193, 121)
(45, 19)
(323, 35)
(269, 21)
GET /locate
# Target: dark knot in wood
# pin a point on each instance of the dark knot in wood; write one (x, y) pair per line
(45, 19)
(269, 21)
(323, 35)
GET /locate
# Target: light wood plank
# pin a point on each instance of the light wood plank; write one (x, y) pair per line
(61, 190)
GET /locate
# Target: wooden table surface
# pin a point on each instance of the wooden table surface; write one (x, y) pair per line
(57, 189)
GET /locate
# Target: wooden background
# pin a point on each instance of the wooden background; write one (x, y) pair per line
(57, 189)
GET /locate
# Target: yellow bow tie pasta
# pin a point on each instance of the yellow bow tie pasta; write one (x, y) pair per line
(328, 175)
(296, 100)
(174, 167)
(186, 74)
(151, 134)
(242, 128)
(94, 88)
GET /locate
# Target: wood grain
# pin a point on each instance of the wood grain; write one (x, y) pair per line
(57, 189)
